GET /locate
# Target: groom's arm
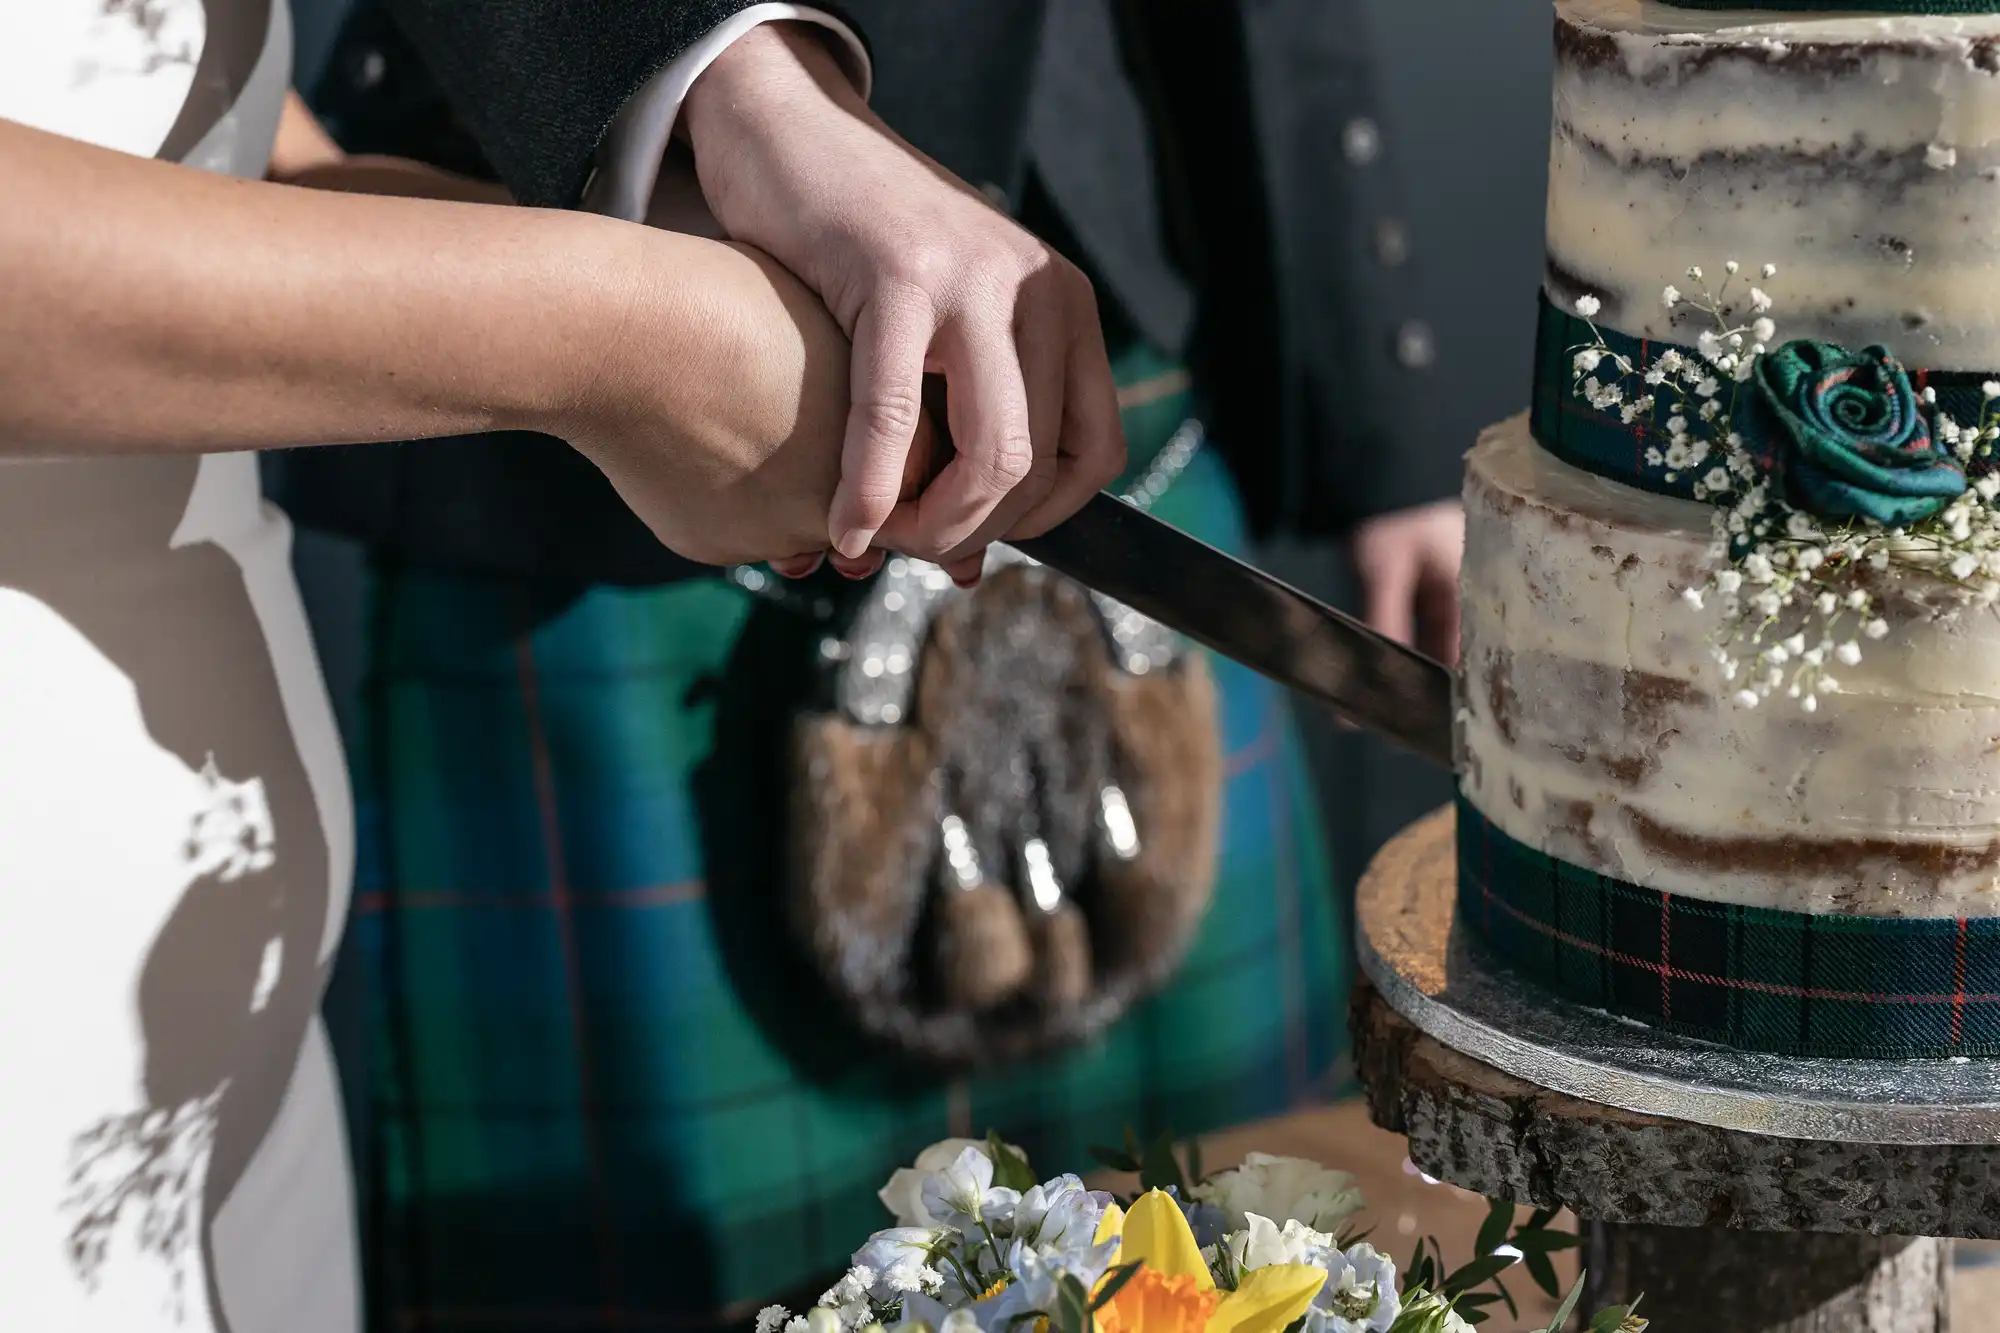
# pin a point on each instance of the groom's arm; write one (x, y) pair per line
(574, 101)
(558, 92)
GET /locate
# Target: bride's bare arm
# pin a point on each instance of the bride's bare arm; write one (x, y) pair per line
(151, 307)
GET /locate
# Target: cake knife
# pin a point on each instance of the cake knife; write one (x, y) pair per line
(1184, 584)
(1246, 615)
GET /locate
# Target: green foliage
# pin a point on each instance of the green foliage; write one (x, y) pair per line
(1493, 1231)
(1567, 1308)
(1158, 1164)
(1619, 1319)
(1072, 1313)
(1010, 1169)
(1470, 1289)
(1114, 1282)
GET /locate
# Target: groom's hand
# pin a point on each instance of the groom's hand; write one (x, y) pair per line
(923, 275)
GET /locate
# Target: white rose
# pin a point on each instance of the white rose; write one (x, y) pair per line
(1262, 1243)
(1288, 1188)
(903, 1196)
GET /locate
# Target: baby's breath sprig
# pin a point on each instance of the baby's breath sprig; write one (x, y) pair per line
(1791, 591)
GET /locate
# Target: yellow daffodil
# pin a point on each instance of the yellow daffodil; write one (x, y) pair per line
(1173, 1291)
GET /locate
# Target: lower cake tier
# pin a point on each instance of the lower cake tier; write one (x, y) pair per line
(1596, 729)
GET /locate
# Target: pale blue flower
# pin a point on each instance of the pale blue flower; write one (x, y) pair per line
(963, 1195)
(1036, 1274)
(1359, 1295)
(1208, 1222)
(903, 1196)
(1059, 1214)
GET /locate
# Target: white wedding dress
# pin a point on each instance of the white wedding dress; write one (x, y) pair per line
(175, 826)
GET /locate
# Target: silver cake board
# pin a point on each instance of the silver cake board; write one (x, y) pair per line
(1430, 973)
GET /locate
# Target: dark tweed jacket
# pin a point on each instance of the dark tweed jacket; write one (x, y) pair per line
(1213, 164)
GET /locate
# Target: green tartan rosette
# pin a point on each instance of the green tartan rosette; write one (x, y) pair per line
(1827, 469)
(1846, 435)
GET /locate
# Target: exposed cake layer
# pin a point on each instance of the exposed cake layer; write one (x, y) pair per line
(1595, 726)
(1859, 155)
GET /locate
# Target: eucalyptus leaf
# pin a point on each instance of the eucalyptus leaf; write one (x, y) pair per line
(1567, 1308)
(1114, 1158)
(1415, 1270)
(1493, 1231)
(1477, 1273)
(1543, 1272)
(1546, 1242)
(1159, 1169)
(1010, 1169)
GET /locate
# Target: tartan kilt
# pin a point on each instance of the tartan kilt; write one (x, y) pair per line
(591, 1082)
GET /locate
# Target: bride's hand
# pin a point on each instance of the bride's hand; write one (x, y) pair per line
(727, 444)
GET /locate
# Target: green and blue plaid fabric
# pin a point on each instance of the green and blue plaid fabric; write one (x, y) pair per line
(593, 1087)
(1598, 440)
(1753, 978)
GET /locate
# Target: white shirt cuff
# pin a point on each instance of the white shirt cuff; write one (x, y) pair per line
(629, 164)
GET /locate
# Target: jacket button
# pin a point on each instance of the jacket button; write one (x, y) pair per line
(1416, 345)
(1392, 243)
(1361, 141)
(369, 70)
(996, 196)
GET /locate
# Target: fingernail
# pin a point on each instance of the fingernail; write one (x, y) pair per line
(798, 567)
(854, 543)
(968, 583)
(861, 569)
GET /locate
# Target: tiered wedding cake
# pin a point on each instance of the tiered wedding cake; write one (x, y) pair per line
(1730, 725)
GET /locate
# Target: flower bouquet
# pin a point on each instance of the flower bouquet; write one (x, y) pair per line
(981, 1246)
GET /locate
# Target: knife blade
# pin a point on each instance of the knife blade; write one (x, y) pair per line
(1246, 615)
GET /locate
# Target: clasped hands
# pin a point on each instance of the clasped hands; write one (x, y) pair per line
(860, 267)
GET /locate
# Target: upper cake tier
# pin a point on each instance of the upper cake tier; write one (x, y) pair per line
(1861, 155)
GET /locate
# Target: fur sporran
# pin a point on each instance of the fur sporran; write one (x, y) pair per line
(1004, 823)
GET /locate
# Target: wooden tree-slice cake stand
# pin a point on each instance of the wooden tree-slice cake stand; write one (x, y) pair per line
(1741, 1192)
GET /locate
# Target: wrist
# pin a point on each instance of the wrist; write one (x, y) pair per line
(764, 75)
(593, 280)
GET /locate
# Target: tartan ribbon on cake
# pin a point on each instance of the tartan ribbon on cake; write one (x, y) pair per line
(1600, 441)
(1753, 978)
